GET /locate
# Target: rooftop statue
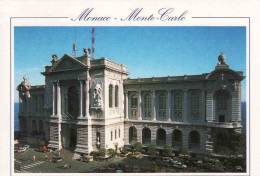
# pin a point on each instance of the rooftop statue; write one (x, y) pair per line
(86, 51)
(221, 59)
(24, 89)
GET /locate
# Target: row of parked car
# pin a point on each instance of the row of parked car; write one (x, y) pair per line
(20, 149)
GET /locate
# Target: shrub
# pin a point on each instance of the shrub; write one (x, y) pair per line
(151, 150)
(111, 152)
(100, 152)
(137, 147)
(167, 150)
(184, 151)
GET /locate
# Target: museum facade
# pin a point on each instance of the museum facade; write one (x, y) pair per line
(89, 104)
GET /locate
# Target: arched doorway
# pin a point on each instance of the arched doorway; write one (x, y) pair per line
(69, 136)
(73, 101)
(132, 135)
(146, 136)
(222, 99)
(194, 140)
(161, 137)
(177, 138)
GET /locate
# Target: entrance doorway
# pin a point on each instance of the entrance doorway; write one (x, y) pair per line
(69, 136)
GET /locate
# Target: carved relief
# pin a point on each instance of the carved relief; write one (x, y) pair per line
(97, 100)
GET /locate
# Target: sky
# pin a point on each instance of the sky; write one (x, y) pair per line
(146, 51)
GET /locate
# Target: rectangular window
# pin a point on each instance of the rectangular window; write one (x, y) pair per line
(162, 105)
(195, 103)
(111, 135)
(147, 106)
(115, 134)
(133, 107)
(178, 105)
(118, 133)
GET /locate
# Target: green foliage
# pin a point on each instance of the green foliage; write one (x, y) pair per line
(111, 152)
(184, 151)
(151, 149)
(137, 147)
(100, 152)
(167, 150)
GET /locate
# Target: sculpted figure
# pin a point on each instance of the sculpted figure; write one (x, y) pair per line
(221, 59)
(24, 89)
(97, 96)
(86, 51)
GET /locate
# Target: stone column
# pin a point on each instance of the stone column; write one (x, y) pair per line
(59, 115)
(80, 98)
(87, 98)
(169, 105)
(126, 105)
(139, 105)
(185, 139)
(53, 99)
(154, 104)
(185, 106)
(58, 100)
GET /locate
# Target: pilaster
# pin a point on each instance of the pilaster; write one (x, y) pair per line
(154, 104)
(126, 105)
(139, 105)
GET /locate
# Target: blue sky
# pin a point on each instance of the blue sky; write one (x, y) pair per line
(146, 51)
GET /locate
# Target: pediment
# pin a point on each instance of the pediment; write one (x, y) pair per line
(68, 63)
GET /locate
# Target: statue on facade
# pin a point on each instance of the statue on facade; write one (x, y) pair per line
(97, 97)
(24, 89)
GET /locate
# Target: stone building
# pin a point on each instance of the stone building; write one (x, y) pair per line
(90, 104)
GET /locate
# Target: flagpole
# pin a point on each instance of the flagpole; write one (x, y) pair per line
(92, 43)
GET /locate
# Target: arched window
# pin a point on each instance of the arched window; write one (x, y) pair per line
(162, 106)
(116, 96)
(178, 105)
(146, 136)
(176, 138)
(147, 106)
(132, 135)
(133, 107)
(110, 95)
(161, 137)
(194, 140)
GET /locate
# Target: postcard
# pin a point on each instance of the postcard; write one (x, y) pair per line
(161, 88)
